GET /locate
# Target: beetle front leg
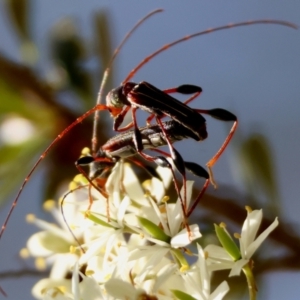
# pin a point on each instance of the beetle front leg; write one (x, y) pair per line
(119, 120)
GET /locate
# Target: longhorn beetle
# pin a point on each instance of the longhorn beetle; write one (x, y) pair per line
(115, 111)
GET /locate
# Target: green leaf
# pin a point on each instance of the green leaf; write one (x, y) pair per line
(181, 295)
(154, 230)
(181, 260)
(227, 242)
(96, 220)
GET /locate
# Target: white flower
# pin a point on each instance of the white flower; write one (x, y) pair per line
(107, 231)
(170, 218)
(134, 244)
(72, 225)
(51, 246)
(157, 282)
(80, 287)
(197, 281)
(221, 258)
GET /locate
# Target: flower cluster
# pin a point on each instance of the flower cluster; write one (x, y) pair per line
(133, 245)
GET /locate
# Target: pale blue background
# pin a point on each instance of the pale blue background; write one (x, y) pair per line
(253, 72)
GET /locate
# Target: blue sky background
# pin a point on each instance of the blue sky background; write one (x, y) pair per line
(252, 71)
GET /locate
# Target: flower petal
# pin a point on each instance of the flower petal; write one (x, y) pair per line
(132, 186)
(237, 267)
(256, 244)
(220, 291)
(90, 289)
(45, 243)
(249, 229)
(59, 286)
(120, 289)
(184, 238)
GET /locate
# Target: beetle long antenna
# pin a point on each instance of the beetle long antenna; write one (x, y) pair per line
(64, 216)
(207, 31)
(107, 71)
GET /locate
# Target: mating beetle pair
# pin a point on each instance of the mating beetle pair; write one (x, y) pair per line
(158, 103)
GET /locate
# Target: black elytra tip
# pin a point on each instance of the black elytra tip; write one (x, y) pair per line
(188, 89)
(85, 160)
(222, 114)
(196, 169)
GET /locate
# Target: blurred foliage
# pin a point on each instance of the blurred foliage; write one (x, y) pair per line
(258, 171)
(40, 98)
(18, 12)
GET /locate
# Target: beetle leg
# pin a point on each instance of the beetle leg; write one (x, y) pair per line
(223, 115)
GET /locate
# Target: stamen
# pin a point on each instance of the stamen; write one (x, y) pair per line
(49, 205)
(248, 209)
(30, 218)
(223, 225)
